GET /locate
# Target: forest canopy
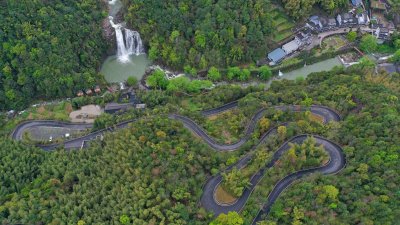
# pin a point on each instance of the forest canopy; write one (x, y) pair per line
(202, 33)
(48, 49)
(153, 171)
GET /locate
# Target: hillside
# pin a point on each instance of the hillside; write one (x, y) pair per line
(202, 33)
(49, 49)
(153, 172)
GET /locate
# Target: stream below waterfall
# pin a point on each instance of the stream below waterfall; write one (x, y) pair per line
(130, 59)
(303, 72)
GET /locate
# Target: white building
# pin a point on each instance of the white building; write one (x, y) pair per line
(292, 46)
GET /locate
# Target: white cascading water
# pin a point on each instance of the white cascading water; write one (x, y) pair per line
(133, 42)
(112, 2)
(128, 42)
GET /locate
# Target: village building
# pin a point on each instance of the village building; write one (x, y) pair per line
(316, 23)
(324, 22)
(80, 94)
(348, 19)
(383, 33)
(89, 91)
(332, 22)
(363, 19)
(277, 55)
(10, 114)
(339, 19)
(116, 107)
(97, 89)
(379, 6)
(356, 3)
(303, 36)
(291, 46)
(140, 106)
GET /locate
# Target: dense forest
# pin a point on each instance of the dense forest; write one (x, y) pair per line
(202, 33)
(48, 49)
(153, 171)
(301, 9)
(194, 34)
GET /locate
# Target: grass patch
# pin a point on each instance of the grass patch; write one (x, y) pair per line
(226, 127)
(223, 196)
(59, 111)
(333, 43)
(316, 118)
(279, 20)
(190, 105)
(284, 27)
(288, 62)
(282, 36)
(386, 49)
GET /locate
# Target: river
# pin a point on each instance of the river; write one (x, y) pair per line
(116, 71)
(303, 72)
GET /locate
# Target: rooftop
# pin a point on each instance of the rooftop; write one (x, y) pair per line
(314, 20)
(276, 55)
(117, 106)
(291, 46)
(332, 22)
(378, 5)
(356, 2)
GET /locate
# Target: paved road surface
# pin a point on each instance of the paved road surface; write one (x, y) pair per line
(336, 163)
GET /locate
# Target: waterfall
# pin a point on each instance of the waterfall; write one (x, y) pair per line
(128, 42)
(133, 42)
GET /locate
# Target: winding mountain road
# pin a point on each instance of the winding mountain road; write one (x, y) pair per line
(74, 143)
(336, 163)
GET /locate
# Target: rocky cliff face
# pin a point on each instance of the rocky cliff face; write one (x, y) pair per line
(109, 31)
(397, 20)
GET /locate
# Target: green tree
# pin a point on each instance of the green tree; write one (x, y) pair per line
(158, 80)
(244, 75)
(124, 219)
(298, 215)
(154, 52)
(33, 43)
(264, 124)
(173, 36)
(265, 72)
(132, 81)
(351, 36)
(307, 101)
(331, 191)
(232, 218)
(214, 74)
(233, 73)
(196, 85)
(234, 182)
(366, 63)
(396, 57)
(282, 131)
(266, 223)
(397, 43)
(200, 39)
(178, 84)
(369, 43)
(300, 9)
